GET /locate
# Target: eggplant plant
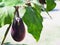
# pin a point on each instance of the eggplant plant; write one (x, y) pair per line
(31, 17)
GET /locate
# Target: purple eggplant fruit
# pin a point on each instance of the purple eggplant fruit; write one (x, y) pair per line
(18, 30)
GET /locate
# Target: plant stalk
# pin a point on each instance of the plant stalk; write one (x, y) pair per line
(5, 34)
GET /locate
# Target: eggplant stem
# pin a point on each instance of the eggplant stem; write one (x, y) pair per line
(5, 35)
(16, 11)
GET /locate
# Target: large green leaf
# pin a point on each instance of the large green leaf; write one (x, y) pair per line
(50, 5)
(6, 16)
(33, 20)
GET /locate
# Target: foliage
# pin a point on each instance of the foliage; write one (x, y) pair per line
(33, 20)
(32, 16)
(50, 5)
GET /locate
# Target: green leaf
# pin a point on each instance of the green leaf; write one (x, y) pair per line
(37, 7)
(1, 21)
(0, 0)
(9, 17)
(2, 4)
(6, 16)
(1, 16)
(50, 5)
(12, 2)
(33, 20)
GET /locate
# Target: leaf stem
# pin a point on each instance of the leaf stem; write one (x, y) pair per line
(5, 34)
(46, 12)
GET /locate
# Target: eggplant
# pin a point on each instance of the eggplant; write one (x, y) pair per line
(18, 30)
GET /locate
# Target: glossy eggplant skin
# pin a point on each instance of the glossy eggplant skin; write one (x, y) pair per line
(18, 30)
(42, 1)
